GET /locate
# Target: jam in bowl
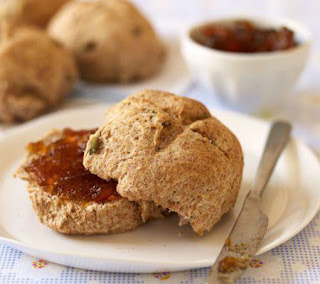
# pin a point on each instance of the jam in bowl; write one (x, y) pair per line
(244, 36)
(250, 64)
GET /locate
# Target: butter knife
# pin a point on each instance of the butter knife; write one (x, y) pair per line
(252, 223)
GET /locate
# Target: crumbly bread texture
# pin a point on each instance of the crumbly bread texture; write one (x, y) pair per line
(112, 41)
(30, 12)
(169, 150)
(36, 74)
(70, 217)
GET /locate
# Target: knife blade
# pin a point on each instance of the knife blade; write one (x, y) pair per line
(252, 223)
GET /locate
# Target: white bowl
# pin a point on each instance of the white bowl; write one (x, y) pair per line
(249, 81)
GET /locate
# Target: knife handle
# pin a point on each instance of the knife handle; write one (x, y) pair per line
(278, 137)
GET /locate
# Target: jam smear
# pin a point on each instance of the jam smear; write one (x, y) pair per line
(243, 36)
(59, 169)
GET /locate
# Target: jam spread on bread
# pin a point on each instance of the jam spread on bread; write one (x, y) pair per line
(59, 170)
(244, 36)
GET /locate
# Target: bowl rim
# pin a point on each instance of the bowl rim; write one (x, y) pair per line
(294, 25)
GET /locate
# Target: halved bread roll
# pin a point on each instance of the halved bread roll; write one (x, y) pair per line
(69, 199)
(169, 150)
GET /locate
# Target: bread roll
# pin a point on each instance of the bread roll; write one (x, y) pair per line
(169, 150)
(36, 74)
(112, 41)
(30, 12)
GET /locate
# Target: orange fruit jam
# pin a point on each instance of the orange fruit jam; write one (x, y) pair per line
(59, 169)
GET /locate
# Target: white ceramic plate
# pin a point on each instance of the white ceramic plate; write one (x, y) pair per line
(291, 200)
(174, 75)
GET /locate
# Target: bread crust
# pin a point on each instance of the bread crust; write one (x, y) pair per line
(112, 41)
(169, 150)
(71, 217)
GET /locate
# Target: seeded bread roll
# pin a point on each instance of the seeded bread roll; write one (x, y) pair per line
(112, 41)
(70, 216)
(30, 12)
(169, 150)
(36, 74)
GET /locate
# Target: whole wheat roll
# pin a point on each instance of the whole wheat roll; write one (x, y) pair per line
(169, 150)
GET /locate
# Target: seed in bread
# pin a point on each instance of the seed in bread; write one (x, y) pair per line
(170, 150)
(36, 74)
(71, 200)
(112, 41)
